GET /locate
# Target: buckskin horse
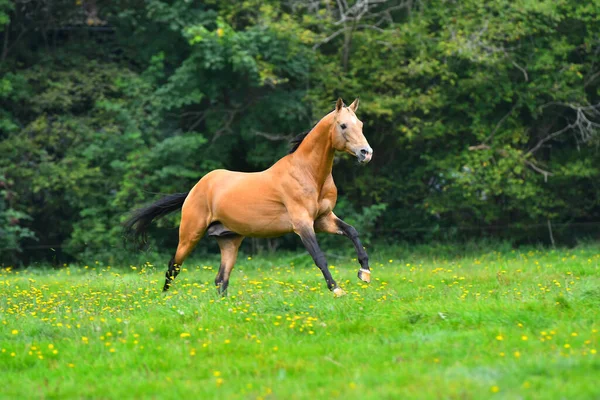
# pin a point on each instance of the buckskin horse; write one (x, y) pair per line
(297, 194)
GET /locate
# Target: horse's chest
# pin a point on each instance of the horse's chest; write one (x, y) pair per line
(317, 200)
(326, 202)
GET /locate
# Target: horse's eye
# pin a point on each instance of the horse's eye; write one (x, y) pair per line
(343, 126)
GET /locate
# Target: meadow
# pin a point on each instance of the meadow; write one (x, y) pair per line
(489, 324)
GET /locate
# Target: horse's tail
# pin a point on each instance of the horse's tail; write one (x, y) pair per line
(141, 218)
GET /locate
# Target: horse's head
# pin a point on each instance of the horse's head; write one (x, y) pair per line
(347, 133)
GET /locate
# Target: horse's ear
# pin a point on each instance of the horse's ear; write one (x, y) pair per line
(339, 104)
(354, 105)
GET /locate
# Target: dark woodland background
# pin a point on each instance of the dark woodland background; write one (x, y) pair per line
(483, 115)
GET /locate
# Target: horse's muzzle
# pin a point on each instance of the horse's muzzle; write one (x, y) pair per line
(364, 155)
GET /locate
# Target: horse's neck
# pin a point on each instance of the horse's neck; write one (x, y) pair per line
(315, 153)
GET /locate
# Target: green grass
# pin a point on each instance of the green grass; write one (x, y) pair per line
(516, 324)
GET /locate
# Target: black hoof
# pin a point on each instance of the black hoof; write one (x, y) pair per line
(222, 291)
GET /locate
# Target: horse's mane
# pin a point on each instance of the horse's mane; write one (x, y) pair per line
(295, 142)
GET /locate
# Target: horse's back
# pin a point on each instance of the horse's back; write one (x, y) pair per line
(248, 203)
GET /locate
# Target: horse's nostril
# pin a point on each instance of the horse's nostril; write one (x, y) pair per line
(364, 152)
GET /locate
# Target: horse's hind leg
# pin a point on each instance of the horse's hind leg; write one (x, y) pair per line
(191, 230)
(229, 246)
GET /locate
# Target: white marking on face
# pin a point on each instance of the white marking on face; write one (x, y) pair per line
(353, 119)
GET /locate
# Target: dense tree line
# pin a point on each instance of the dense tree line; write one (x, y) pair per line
(482, 115)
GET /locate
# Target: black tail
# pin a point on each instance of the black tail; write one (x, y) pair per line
(141, 219)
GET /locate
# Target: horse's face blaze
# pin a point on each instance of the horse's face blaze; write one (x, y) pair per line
(348, 135)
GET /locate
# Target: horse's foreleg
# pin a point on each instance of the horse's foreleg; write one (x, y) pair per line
(330, 223)
(229, 246)
(191, 230)
(309, 239)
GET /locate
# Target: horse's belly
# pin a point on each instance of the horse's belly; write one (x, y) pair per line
(255, 220)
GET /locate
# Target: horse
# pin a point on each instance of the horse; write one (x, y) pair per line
(296, 194)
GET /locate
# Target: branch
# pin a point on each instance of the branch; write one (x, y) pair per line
(226, 126)
(271, 136)
(591, 79)
(347, 28)
(232, 113)
(549, 137)
(538, 169)
(586, 128)
(350, 16)
(479, 147)
(387, 11)
(199, 120)
(330, 37)
(361, 10)
(594, 108)
(504, 153)
(7, 48)
(341, 8)
(501, 122)
(522, 70)
(5, 45)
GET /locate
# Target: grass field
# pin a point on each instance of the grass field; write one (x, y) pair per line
(516, 324)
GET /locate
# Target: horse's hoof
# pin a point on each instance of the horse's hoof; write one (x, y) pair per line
(338, 292)
(221, 291)
(364, 275)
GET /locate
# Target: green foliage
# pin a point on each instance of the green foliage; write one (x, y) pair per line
(365, 220)
(481, 114)
(6, 6)
(12, 229)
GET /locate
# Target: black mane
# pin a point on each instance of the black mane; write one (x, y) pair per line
(295, 142)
